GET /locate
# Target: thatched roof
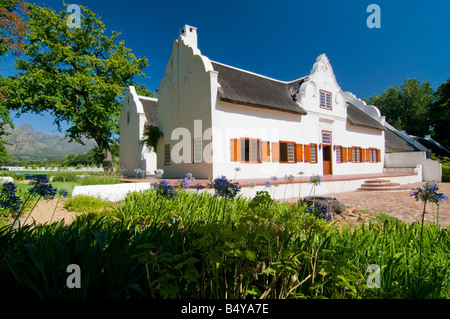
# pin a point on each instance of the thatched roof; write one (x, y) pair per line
(150, 111)
(245, 88)
(357, 117)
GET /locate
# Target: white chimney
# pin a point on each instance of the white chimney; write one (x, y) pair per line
(189, 35)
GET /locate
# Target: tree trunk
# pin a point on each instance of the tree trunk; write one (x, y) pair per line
(108, 165)
(107, 160)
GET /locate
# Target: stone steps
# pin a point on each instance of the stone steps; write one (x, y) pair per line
(381, 185)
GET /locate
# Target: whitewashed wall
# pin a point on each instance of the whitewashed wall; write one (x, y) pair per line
(134, 154)
(188, 96)
(184, 99)
(431, 169)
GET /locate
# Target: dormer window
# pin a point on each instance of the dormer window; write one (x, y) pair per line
(325, 100)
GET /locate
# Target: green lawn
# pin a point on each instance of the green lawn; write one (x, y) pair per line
(68, 186)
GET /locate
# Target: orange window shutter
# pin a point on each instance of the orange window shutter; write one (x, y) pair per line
(363, 155)
(275, 151)
(238, 150)
(265, 153)
(368, 155)
(344, 154)
(378, 155)
(233, 154)
(350, 154)
(299, 149)
(307, 153)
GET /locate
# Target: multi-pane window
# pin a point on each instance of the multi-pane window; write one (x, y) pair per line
(356, 154)
(167, 154)
(325, 100)
(326, 137)
(313, 153)
(338, 154)
(287, 152)
(373, 155)
(250, 150)
(198, 150)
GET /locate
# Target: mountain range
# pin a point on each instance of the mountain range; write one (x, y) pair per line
(26, 141)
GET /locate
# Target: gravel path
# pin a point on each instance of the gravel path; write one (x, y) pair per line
(397, 204)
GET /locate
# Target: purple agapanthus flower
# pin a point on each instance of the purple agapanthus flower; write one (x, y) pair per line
(429, 193)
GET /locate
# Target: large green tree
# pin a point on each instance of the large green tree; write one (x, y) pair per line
(406, 107)
(12, 31)
(439, 115)
(78, 74)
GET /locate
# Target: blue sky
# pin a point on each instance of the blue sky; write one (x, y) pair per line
(281, 39)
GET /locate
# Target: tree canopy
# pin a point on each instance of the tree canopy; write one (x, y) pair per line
(77, 74)
(406, 107)
(440, 115)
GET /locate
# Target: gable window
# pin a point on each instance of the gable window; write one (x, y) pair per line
(287, 152)
(167, 154)
(198, 150)
(325, 100)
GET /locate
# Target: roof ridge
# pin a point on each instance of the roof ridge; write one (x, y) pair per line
(257, 74)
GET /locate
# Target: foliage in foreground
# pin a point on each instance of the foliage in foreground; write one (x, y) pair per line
(203, 246)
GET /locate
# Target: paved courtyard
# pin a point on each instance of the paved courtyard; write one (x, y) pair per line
(397, 204)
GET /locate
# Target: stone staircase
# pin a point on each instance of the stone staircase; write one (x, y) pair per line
(381, 185)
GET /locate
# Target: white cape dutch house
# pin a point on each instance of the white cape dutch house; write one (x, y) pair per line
(137, 112)
(215, 118)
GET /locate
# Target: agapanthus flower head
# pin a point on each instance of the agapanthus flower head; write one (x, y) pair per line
(237, 169)
(190, 177)
(315, 179)
(138, 171)
(198, 186)
(39, 179)
(62, 192)
(9, 188)
(183, 183)
(267, 184)
(47, 191)
(289, 178)
(429, 193)
(252, 185)
(165, 189)
(274, 178)
(319, 210)
(300, 173)
(224, 188)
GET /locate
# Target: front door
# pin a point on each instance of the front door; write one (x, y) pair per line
(327, 153)
(327, 160)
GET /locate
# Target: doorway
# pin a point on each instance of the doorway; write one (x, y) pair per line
(327, 153)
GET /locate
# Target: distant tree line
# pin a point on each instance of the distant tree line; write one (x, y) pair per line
(417, 109)
(91, 159)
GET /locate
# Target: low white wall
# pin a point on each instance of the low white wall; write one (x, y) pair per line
(118, 192)
(113, 192)
(431, 169)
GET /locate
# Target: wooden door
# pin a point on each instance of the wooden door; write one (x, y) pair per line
(327, 170)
